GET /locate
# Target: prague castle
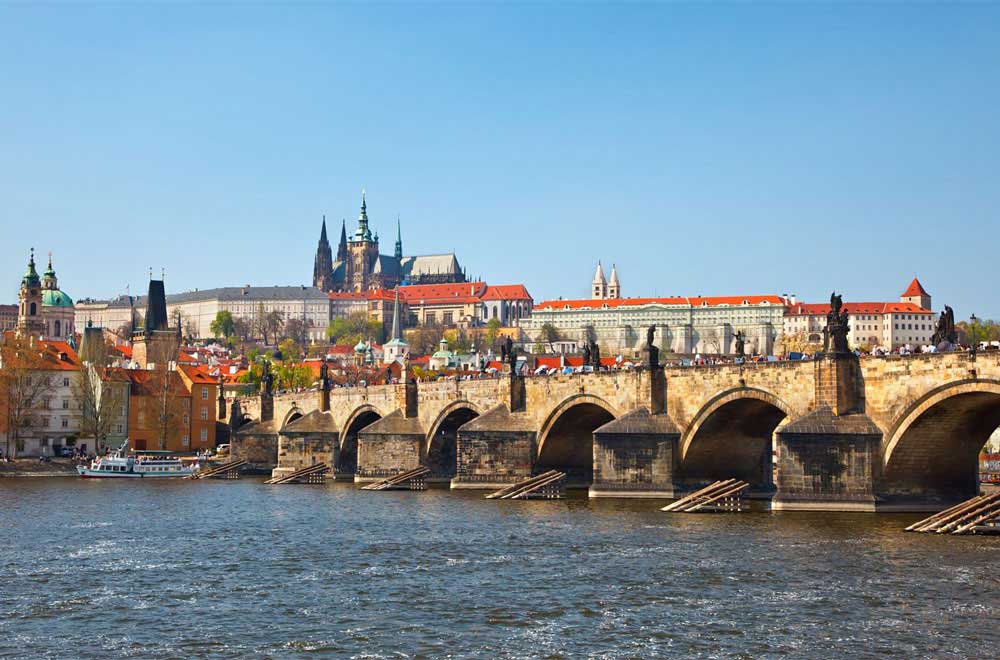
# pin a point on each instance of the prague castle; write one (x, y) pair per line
(359, 266)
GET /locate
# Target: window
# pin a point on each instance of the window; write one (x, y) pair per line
(204, 435)
(187, 418)
(121, 429)
(65, 404)
(204, 413)
(65, 422)
(204, 394)
(186, 441)
(66, 382)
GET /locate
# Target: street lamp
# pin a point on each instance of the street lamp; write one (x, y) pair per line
(973, 344)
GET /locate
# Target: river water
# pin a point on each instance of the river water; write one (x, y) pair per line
(234, 569)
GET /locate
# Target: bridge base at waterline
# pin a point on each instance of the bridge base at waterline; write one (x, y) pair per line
(635, 456)
(827, 462)
(391, 446)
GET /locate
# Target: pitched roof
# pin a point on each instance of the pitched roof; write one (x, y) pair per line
(197, 375)
(430, 264)
(250, 293)
(915, 289)
(431, 293)
(506, 292)
(821, 309)
(58, 355)
(682, 301)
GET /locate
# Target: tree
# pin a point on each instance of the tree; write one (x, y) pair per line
(25, 386)
(269, 324)
(242, 329)
(712, 340)
(166, 403)
(424, 339)
(223, 325)
(549, 334)
(290, 350)
(297, 330)
(492, 332)
(354, 328)
(100, 396)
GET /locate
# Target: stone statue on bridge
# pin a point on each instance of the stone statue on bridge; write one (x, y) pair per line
(266, 380)
(837, 327)
(740, 344)
(944, 332)
(651, 350)
(586, 353)
(324, 376)
(506, 346)
(595, 355)
(512, 357)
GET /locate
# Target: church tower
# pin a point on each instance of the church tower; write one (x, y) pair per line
(614, 287)
(29, 310)
(323, 265)
(599, 287)
(362, 253)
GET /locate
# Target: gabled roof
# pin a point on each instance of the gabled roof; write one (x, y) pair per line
(506, 292)
(59, 356)
(821, 309)
(682, 301)
(915, 289)
(196, 375)
(430, 264)
(439, 293)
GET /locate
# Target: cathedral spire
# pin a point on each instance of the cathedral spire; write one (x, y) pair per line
(363, 233)
(399, 240)
(342, 246)
(322, 234)
(396, 334)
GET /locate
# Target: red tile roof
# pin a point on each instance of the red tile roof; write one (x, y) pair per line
(821, 309)
(197, 375)
(915, 289)
(506, 292)
(431, 293)
(59, 355)
(711, 301)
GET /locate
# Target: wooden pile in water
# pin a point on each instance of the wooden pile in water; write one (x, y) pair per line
(548, 485)
(313, 474)
(415, 479)
(228, 470)
(722, 495)
(980, 515)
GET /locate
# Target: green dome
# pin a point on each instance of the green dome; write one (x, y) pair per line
(55, 298)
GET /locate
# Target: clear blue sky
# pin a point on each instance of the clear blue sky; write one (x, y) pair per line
(705, 149)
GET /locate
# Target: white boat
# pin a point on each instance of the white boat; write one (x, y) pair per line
(120, 465)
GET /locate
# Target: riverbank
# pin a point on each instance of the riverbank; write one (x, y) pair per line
(32, 467)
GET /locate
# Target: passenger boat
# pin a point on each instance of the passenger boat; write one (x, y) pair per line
(121, 465)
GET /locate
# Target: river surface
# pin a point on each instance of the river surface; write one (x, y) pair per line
(235, 569)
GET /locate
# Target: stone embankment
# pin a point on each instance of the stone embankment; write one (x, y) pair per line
(32, 467)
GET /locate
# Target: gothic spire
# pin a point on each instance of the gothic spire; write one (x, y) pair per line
(322, 234)
(342, 246)
(399, 240)
(396, 333)
(363, 233)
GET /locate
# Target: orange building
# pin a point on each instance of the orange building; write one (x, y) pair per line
(204, 392)
(183, 408)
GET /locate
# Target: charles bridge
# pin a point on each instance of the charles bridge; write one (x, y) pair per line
(836, 433)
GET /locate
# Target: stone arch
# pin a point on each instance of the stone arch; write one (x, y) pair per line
(347, 456)
(731, 437)
(566, 440)
(293, 414)
(930, 453)
(441, 449)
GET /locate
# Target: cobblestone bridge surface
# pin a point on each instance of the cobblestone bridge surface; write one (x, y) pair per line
(834, 433)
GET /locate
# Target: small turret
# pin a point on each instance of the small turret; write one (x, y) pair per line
(614, 287)
(599, 287)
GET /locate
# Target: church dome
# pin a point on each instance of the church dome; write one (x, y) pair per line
(360, 347)
(55, 298)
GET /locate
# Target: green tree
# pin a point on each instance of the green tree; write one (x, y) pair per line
(492, 332)
(290, 350)
(223, 325)
(354, 328)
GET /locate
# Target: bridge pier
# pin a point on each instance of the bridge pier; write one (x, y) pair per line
(495, 450)
(829, 459)
(392, 445)
(635, 456)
